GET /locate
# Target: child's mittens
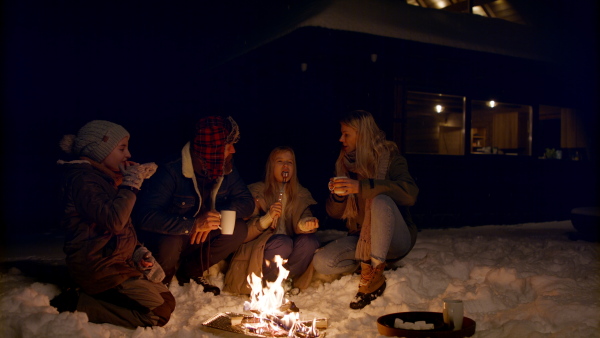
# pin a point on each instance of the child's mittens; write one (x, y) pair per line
(147, 264)
(134, 176)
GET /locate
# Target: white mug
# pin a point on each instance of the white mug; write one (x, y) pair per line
(453, 313)
(227, 222)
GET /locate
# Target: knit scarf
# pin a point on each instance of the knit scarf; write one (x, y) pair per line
(363, 247)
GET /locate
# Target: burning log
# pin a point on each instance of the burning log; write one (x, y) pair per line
(273, 315)
(255, 326)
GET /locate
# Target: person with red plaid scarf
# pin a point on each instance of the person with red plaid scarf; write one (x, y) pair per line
(178, 212)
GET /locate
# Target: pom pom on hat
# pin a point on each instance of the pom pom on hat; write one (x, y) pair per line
(96, 140)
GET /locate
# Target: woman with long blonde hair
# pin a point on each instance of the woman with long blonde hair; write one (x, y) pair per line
(282, 225)
(372, 192)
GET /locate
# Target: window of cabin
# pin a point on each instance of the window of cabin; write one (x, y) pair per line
(500, 128)
(434, 123)
(560, 133)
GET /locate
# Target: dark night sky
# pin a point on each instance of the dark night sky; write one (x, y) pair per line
(143, 64)
(137, 63)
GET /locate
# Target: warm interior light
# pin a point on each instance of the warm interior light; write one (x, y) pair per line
(492, 103)
(478, 10)
(441, 4)
(439, 108)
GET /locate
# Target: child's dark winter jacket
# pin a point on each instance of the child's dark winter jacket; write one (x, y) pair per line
(100, 238)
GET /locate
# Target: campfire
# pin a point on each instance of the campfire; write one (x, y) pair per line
(270, 313)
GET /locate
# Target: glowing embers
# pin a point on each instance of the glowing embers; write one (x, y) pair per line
(272, 315)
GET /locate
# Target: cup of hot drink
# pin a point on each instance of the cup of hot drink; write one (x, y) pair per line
(337, 191)
(453, 313)
(227, 222)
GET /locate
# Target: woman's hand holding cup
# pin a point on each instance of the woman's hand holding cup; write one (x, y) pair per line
(340, 185)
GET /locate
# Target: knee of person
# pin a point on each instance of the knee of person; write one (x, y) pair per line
(320, 262)
(307, 241)
(164, 311)
(280, 245)
(282, 240)
(381, 203)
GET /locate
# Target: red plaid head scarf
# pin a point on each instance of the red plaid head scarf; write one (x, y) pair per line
(213, 133)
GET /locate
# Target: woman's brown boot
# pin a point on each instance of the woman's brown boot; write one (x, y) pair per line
(371, 286)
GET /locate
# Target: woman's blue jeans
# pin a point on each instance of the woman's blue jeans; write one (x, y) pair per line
(390, 239)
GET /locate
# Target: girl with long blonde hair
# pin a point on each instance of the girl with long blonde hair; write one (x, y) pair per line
(372, 192)
(282, 225)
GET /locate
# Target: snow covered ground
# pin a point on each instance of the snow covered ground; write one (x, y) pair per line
(527, 280)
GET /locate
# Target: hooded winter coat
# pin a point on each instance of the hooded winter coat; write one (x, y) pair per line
(249, 257)
(100, 238)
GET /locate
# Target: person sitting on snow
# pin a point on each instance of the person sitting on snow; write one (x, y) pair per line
(119, 280)
(178, 213)
(373, 198)
(282, 225)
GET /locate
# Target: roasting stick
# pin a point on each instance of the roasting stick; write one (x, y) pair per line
(280, 198)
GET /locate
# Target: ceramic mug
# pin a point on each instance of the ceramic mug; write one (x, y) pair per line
(336, 191)
(227, 221)
(453, 313)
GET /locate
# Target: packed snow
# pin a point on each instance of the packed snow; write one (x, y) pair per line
(525, 280)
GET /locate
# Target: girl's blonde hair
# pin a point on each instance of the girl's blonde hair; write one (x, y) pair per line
(371, 144)
(292, 187)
